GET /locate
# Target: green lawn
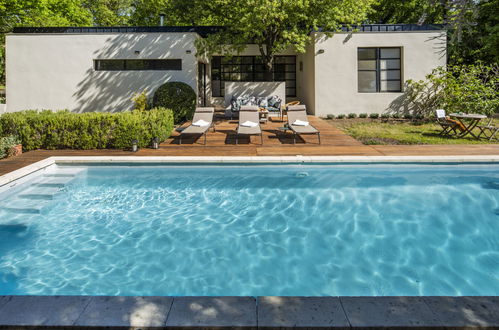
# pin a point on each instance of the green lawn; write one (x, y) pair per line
(378, 132)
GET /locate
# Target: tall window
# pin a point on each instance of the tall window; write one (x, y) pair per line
(128, 65)
(251, 68)
(379, 70)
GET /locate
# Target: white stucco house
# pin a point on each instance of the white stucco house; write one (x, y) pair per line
(100, 68)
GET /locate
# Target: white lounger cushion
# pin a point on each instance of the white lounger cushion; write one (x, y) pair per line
(249, 124)
(300, 123)
(201, 123)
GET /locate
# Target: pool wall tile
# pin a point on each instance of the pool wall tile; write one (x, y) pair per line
(126, 312)
(42, 310)
(213, 312)
(303, 312)
(462, 312)
(389, 312)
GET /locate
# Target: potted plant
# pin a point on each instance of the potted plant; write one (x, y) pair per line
(10, 146)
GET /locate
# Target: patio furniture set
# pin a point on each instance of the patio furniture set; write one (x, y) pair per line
(463, 124)
(250, 119)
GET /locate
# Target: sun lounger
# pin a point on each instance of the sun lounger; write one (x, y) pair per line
(249, 122)
(201, 123)
(298, 122)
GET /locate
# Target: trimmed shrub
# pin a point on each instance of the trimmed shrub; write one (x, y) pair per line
(91, 130)
(395, 116)
(6, 143)
(140, 101)
(363, 115)
(330, 116)
(340, 116)
(352, 115)
(374, 115)
(177, 96)
(385, 115)
(407, 116)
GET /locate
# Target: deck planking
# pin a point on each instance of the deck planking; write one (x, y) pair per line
(275, 143)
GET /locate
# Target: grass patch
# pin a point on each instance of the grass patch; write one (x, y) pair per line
(377, 132)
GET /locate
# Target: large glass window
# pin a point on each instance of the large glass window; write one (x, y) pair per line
(379, 70)
(251, 68)
(127, 65)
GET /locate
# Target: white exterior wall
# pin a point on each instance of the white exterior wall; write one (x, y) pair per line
(335, 81)
(55, 71)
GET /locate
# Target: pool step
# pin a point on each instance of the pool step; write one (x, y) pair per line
(40, 193)
(23, 206)
(55, 182)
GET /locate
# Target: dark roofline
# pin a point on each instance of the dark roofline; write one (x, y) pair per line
(203, 31)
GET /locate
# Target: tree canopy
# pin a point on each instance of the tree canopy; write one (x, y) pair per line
(274, 25)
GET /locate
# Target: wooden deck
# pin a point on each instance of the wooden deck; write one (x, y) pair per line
(275, 143)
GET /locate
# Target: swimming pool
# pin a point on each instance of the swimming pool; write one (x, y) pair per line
(302, 230)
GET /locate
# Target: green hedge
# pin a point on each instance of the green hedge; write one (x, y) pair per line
(177, 96)
(93, 130)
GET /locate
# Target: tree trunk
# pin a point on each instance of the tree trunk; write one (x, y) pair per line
(268, 61)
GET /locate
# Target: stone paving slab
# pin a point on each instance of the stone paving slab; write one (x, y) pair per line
(42, 310)
(126, 312)
(466, 311)
(213, 312)
(291, 312)
(389, 312)
(4, 300)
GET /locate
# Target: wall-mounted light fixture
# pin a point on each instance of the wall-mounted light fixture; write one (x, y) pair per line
(137, 52)
(321, 51)
(188, 51)
(135, 146)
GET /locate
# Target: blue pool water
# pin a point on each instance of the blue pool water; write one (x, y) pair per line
(253, 230)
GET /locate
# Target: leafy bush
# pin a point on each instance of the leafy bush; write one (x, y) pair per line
(363, 115)
(460, 88)
(2, 99)
(330, 116)
(177, 96)
(395, 116)
(140, 101)
(352, 115)
(408, 116)
(91, 130)
(373, 115)
(6, 143)
(340, 116)
(385, 115)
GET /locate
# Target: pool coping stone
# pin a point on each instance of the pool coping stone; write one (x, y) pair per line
(213, 312)
(125, 311)
(292, 312)
(100, 312)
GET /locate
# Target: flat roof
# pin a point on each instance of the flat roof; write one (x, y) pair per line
(203, 31)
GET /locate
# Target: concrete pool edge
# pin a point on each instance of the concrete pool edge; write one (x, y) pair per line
(298, 159)
(101, 312)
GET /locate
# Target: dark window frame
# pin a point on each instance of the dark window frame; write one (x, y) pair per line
(378, 69)
(253, 70)
(149, 64)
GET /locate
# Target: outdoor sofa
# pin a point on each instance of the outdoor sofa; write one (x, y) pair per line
(270, 103)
